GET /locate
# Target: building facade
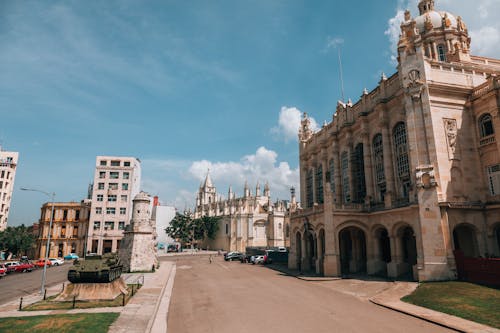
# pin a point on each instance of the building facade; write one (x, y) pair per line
(116, 182)
(411, 172)
(162, 215)
(8, 166)
(69, 228)
(248, 221)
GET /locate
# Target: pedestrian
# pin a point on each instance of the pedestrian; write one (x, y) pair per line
(210, 258)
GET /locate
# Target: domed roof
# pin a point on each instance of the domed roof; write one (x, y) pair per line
(142, 196)
(437, 19)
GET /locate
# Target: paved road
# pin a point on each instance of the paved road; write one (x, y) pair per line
(233, 297)
(16, 285)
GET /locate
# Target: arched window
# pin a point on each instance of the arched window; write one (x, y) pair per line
(344, 161)
(332, 175)
(378, 158)
(358, 174)
(486, 125)
(441, 52)
(309, 189)
(319, 184)
(401, 157)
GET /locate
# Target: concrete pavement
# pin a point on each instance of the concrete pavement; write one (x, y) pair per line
(147, 311)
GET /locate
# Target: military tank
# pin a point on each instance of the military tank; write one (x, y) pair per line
(96, 269)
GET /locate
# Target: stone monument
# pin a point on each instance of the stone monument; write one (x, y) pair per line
(138, 252)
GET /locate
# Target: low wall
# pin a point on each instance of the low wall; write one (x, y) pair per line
(478, 270)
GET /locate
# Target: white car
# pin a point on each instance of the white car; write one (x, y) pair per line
(258, 260)
(56, 261)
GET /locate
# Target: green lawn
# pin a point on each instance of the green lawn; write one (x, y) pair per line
(461, 299)
(74, 323)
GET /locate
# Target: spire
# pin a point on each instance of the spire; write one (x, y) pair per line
(246, 191)
(257, 189)
(267, 192)
(230, 193)
(208, 180)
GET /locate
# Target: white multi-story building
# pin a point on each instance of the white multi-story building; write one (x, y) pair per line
(8, 165)
(116, 182)
(162, 215)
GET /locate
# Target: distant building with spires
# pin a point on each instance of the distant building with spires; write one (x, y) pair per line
(247, 221)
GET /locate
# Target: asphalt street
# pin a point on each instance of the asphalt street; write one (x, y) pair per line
(17, 285)
(233, 297)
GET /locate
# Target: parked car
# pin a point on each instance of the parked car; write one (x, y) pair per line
(24, 267)
(233, 256)
(71, 256)
(3, 270)
(258, 259)
(11, 266)
(41, 262)
(56, 261)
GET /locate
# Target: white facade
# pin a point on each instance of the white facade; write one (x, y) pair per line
(8, 166)
(163, 216)
(116, 183)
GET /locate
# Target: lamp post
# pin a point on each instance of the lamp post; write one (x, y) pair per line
(52, 196)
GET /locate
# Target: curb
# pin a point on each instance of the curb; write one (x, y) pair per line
(159, 323)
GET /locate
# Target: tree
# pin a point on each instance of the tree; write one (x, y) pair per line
(181, 228)
(17, 240)
(186, 229)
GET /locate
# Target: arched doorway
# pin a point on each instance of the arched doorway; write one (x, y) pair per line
(464, 238)
(298, 250)
(310, 255)
(409, 252)
(382, 251)
(321, 251)
(352, 243)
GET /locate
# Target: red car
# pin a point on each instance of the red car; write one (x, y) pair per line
(3, 270)
(40, 263)
(24, 267)
(11, 266)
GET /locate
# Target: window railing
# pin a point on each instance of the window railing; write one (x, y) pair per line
(487, 140)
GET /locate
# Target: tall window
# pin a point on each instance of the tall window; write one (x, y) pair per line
(309, 189)
(402, 160)
(441, 53)
(486, 125)
(358, 173)
(344, 161)
(332, 175)
(378, 157)
(494, 179)
(319, 184)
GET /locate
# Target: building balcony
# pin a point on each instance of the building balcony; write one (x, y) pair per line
(487, 140)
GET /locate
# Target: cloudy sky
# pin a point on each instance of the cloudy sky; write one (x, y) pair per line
(187, 86)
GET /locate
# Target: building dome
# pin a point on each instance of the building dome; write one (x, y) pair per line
(435, 20)
(142, 196)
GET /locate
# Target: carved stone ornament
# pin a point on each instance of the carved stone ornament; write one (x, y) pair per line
(451, 131)
(414, 84)
(425, 176)
(305, 132)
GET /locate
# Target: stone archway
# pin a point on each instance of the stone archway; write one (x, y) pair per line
(403, 254)
(309, 260)
(298, 250)
(465, 240)
(321, 252)
(352, 246)
(381, 253)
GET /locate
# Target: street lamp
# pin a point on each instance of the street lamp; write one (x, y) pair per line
(52, 196)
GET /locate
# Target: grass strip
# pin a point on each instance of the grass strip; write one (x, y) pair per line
(61, 323)
(462, 299)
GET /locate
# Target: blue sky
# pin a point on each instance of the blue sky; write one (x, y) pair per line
(186, 86)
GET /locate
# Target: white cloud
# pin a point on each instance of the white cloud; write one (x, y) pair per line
(289, 123)
(262, 166)
(480, 17)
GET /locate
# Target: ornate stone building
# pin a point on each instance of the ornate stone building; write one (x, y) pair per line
(69, 228)
(8, 167)
(410, 172)
(248, 221)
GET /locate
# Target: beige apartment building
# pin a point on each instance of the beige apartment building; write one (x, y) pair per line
(116, 182)
(247, 221)
(8, 165)
(410, 172)
(69, 228)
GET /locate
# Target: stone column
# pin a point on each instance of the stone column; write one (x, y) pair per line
(336, 171)
(434, 49)
(388, 165)
(373, 262)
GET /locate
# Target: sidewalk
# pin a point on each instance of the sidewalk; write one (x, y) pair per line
(145, 312)
(388, 294)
